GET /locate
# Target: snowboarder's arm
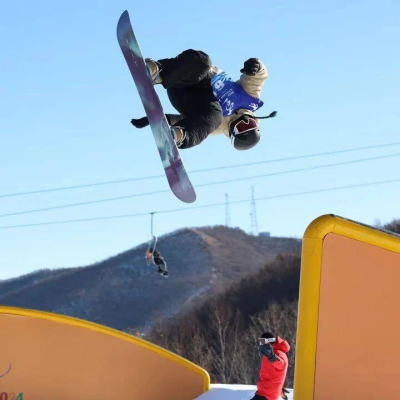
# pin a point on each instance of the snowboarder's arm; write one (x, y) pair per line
(197, 127)
(253, 77)
(274, 360)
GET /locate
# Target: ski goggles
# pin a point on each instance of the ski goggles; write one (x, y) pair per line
(244, 126)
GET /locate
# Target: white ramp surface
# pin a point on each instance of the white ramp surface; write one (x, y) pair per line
(232, 392)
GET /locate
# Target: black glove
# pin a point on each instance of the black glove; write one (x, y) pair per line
(140, 123)
(267, 351)
(251, 66)
(143, 122)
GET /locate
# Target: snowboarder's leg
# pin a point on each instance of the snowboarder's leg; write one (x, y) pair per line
(197, 127)
(187, 80)
(201, 113)
(187, 69)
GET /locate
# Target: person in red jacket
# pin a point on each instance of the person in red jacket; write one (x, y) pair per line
(274, 365)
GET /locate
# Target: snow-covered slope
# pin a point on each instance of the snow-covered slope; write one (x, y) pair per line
(231, 392)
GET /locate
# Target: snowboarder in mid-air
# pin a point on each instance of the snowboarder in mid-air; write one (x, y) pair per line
(208, 100)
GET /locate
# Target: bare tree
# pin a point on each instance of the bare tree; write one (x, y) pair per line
(220, 324)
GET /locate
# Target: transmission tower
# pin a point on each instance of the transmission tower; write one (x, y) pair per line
(227, 211)
(253, 214)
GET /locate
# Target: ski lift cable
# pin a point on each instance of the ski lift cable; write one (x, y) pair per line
(152, 224)
(271, 161)
(123, 216)
(152, 243)
(284, 172)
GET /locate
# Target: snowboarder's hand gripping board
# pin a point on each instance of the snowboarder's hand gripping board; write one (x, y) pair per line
(173, 166)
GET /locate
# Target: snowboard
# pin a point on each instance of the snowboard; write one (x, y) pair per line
(175, 172)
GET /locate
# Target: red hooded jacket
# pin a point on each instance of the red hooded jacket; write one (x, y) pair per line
(273, 374)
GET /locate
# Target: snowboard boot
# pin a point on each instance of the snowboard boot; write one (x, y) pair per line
(178, 134)
(153, 68)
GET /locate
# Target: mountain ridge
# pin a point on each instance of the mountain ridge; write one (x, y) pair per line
(124, 293)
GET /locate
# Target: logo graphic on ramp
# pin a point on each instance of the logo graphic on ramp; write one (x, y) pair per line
(2, 375)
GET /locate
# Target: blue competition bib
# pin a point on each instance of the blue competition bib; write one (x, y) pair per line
(232, 96)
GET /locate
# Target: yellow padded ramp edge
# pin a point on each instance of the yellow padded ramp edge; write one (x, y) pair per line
(350, 245)
(49, 356)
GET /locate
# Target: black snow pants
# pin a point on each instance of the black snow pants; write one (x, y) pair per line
(187, 79)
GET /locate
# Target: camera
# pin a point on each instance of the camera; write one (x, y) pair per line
(265, 340)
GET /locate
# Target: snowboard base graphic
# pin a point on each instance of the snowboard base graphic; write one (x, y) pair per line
(174, 170)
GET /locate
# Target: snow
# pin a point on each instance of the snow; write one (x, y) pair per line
(231, 392)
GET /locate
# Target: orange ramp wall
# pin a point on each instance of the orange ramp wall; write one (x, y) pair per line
(51, 357)
(348, 339)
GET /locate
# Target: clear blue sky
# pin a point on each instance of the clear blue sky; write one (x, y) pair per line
(66, 99)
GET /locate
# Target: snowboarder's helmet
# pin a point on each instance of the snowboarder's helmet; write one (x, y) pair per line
(244, 132)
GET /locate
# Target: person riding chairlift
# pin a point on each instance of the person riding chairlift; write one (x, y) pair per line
(154, 257)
